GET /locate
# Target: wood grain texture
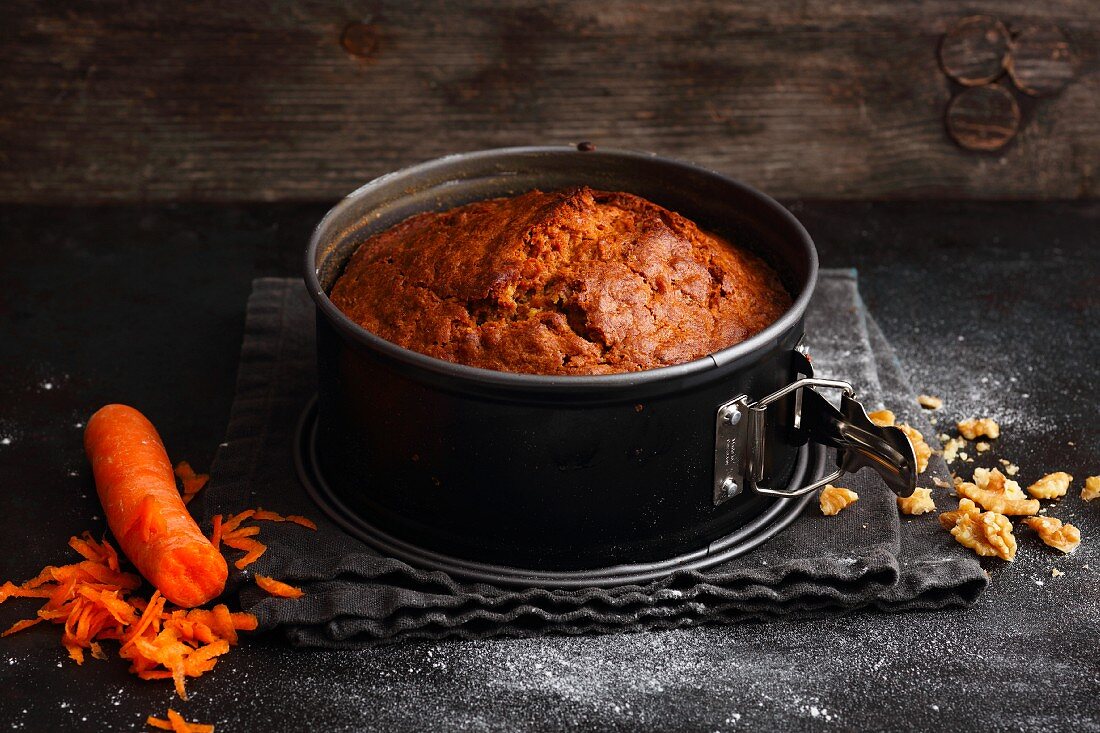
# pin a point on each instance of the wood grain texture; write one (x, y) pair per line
(117, 101)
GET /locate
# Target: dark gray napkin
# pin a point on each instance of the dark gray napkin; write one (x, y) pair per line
(864, 557)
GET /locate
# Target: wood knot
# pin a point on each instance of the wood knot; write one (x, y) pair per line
(360, 39)
(973, 51)
(983, 118)
(1040, 61)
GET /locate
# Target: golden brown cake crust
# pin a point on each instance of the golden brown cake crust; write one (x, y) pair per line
(569, 282)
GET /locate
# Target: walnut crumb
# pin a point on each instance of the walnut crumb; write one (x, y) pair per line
(1056, 573)
(1064, 537)
(921, 449)
(1052, 486)
(835, 498)
(1092, 488)
(919, 502)
(977, 427)
(995, 493)
(951, 449)
(941, 483)
(987, 533)
(981, 446)
(1011, 469)
(882, 418)
(929, 402)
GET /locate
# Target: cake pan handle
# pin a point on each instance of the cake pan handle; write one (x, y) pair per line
(858, 442)
(740, 440)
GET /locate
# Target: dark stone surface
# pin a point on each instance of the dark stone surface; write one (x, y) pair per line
(144, 305)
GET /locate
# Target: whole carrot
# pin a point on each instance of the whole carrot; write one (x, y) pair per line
(137, 488)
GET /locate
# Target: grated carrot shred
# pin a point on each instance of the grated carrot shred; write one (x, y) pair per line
(244, 621)
(264, 514)
(20, 625)
(192, 482)
(236, 536)
(75, 652)
(91, 600)
(176, 723)
(241, 532)
(43, 577)
(151, 611)
(277, 587)
(239, 543)
(303, 521)
(11, 590)
(233, 522)
(258, 549)
(223, 621)
(216, 532)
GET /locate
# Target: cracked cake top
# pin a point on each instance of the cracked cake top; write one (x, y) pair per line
(567, 282)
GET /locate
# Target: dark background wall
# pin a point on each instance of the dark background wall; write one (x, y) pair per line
(219, 101)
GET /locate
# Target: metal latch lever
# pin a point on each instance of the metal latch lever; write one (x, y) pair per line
(740, 448)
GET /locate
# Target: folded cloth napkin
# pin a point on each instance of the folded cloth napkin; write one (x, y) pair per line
(867, 556)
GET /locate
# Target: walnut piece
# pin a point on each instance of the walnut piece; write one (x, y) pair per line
(1010, 468)
(919, 502)
(921, 449)
(1064, 537)
(950, 519)
(1052, 486)
(987, 533)
(951, 449)
(997, 494)
(835, 498)
(994, 502)
(882, 418)
(977, 427)
(1092, 488)
(929, 402)
(981, 446)
(994, 480)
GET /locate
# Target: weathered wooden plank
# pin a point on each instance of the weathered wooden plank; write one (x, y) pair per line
(261, 101)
